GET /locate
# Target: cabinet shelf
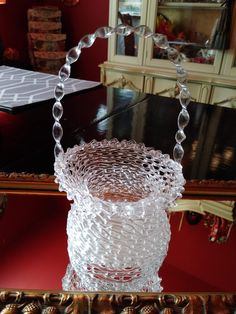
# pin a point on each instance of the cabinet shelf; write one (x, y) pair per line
(133, 14)
(191, 5)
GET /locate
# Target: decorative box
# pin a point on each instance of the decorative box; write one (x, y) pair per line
(48, 61)
(46, 41)
(44, 13)
(44, 27)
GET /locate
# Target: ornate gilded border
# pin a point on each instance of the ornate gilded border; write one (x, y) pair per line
(217, 189)
(28, 183)
(54, 302)
(32, 183)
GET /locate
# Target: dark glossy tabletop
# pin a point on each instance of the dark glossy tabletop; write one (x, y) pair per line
(26, 143)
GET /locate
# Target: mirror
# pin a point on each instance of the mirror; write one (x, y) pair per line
(33, 223)
(33, 235)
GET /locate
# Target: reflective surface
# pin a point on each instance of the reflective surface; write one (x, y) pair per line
(33, 242)
(27, 144)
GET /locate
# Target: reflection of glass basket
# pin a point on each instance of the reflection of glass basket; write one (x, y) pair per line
(118, 230)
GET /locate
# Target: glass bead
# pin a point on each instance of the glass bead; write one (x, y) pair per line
(87, 41)
(57, 110)
(59, 91)
(182, 84)
(173, 55)
(160, 41)
(143, 31)
(184, 97)
(104, 32)
(64, 72)
(183, 119)
(181, 74)
(180, 136)
(57, 131)
(178, 153)
(123, 30)
(180, 71)
(58, 150)
(73, 55)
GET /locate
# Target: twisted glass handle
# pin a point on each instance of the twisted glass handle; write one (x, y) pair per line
(124, 30)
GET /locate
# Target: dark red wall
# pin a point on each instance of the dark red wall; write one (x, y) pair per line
(77, 21)
(13, 25)
(203, 265)
(33, 250)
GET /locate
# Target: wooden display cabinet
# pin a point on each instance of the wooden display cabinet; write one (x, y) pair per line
(192, 27)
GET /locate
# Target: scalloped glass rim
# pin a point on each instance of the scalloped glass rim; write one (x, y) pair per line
(72, 180)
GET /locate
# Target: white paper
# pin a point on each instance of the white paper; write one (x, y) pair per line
(20, 87)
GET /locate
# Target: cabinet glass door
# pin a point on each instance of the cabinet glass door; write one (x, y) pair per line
(229, 62)
(131, 12)
(196, 29)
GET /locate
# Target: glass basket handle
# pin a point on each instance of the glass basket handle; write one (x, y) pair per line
(124, 30)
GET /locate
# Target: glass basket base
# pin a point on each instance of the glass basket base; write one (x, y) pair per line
(72, 282)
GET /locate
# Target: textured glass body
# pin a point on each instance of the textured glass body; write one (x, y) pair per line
(118, 229)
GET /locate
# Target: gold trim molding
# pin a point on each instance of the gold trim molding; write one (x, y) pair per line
(122, 82)
(28, 183)
(31, 183)
(224, 101)
(223, 209)
(211, 189)
(173, 92)
(49, 302)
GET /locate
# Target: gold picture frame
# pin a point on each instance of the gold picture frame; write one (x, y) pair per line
(56, 302)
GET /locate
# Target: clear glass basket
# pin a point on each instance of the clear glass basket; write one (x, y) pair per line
(118, 229)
